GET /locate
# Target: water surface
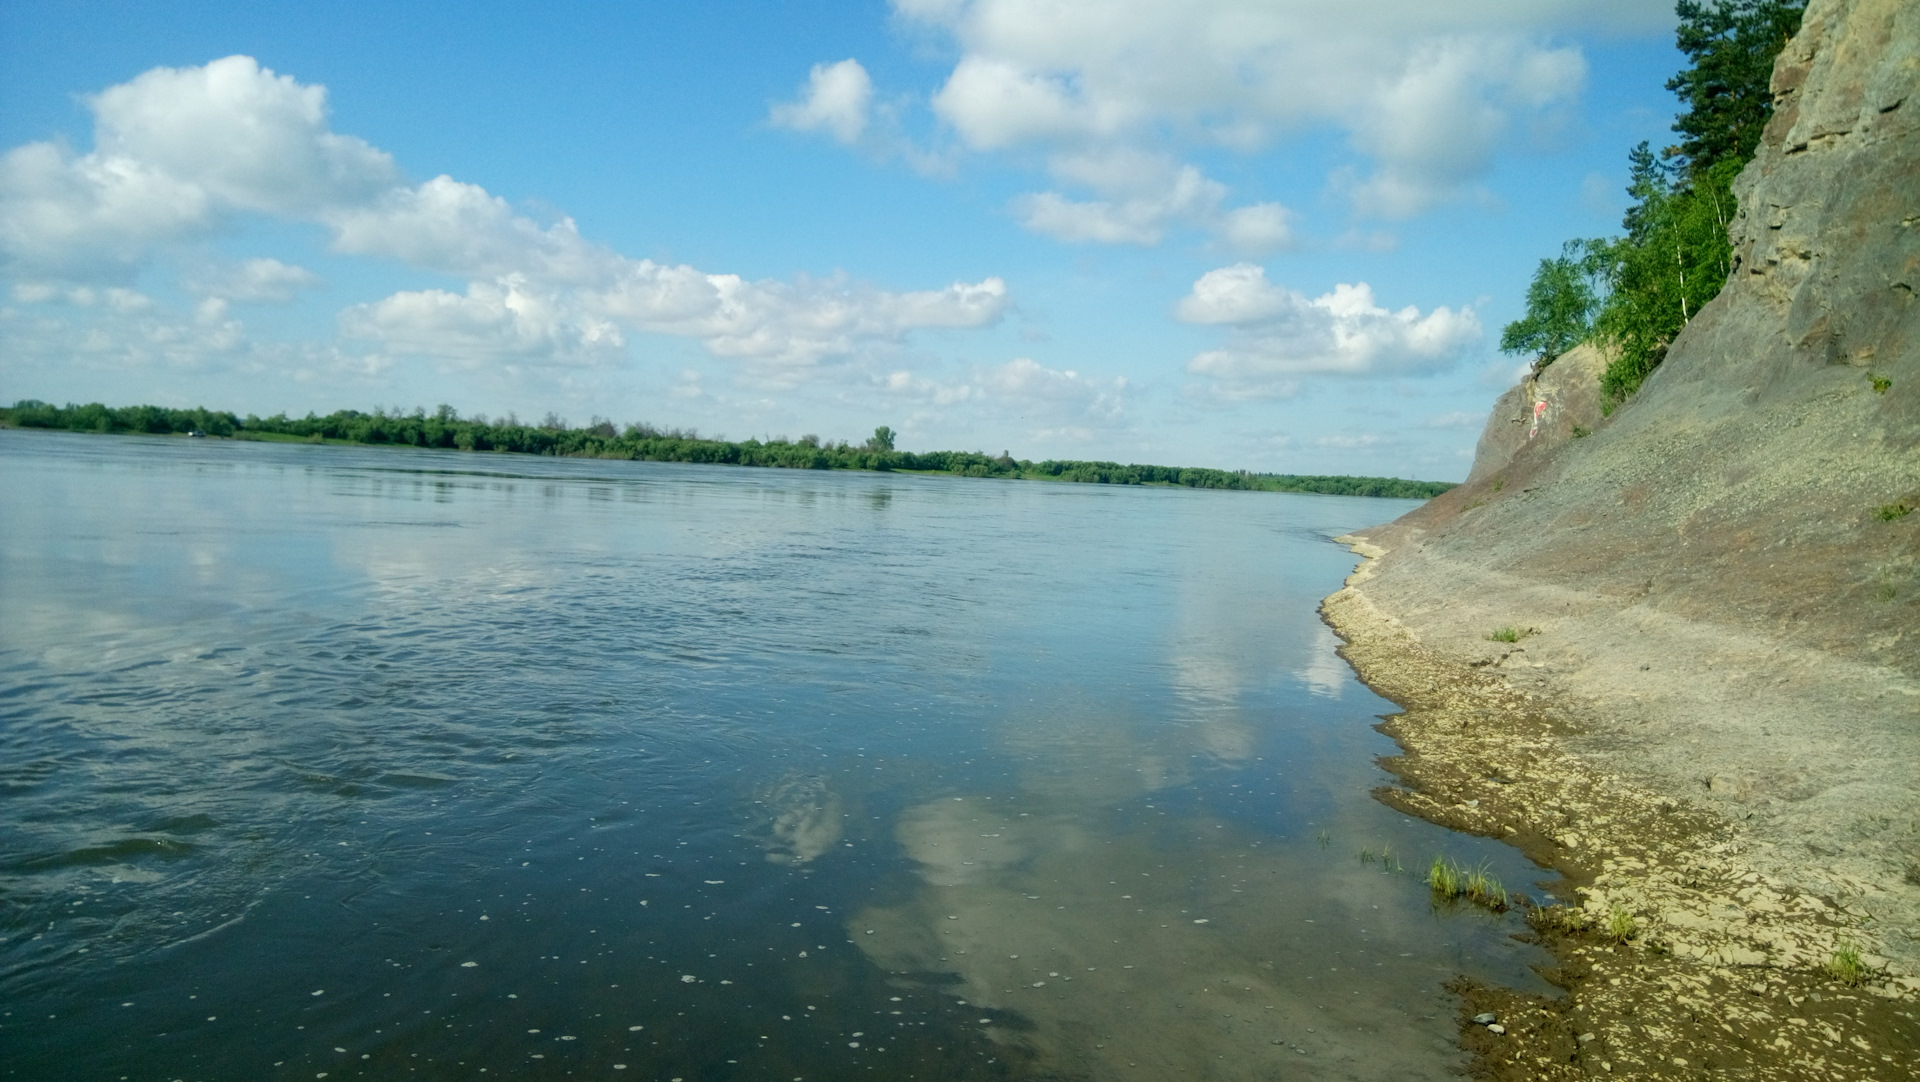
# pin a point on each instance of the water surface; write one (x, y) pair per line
(339, 762)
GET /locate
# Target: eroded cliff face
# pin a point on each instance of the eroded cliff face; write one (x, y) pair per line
(1544, 410)
(1718, 580)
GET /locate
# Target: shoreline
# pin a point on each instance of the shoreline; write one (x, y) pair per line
(1727, 970)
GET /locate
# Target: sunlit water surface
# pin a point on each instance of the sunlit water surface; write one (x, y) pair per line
(320, 762)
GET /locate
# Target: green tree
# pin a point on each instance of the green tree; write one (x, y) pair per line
(1560, 306)
(1730, 45)
(1676, 254)
(882, 439)
(1674, 259)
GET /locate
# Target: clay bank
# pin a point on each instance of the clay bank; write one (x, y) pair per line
(1670, 650)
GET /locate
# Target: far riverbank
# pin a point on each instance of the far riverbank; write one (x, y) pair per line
(444, 429)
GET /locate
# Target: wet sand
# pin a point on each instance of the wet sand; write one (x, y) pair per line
(1719, 968)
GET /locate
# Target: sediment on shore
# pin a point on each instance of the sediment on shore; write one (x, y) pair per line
(1679, 956)
(1670, 647)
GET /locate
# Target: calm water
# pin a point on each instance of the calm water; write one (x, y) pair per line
(320, 762)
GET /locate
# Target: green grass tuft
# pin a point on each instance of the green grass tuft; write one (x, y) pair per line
(1506, 634)
(1887, 512)
(1449, 881)
(1845, 966)
(1557, 918)
(1881, 384)
(1484, 889)
(1620, 925)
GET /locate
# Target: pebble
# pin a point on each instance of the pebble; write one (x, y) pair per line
(1496, 1028)
(1485, 1019)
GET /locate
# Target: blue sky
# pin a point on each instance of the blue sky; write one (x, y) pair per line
(1278, 235)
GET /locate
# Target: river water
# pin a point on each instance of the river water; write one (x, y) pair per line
(325, 762)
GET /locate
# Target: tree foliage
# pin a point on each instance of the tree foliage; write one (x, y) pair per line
(1676, 253)
(1560, 306)
(1731, 45)
(445, 429)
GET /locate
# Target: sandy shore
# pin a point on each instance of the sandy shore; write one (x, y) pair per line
(1729, 967)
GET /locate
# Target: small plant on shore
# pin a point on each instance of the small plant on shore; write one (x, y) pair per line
(1325, 839)
(1367, 857)
(1506, 634)
(1887, 512)
(1389, 862)
(1880, 383)
(1484, 889)
(1581, 433)
(1620, 924)
(1557, 918)
(1846, 966)
(1449, 881)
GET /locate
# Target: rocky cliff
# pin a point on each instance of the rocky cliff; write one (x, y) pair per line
(1718, 588)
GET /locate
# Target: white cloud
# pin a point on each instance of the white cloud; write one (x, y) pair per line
(996, 103)
(1145, 195)
(462, 229)
(1052, 401)
(1260, 228)
(119, 330)
(1428, 94)
(92, 216)
(177, 150)
(1435, 127)
(248, 137)
(182, 152)
(493, 322)
(256, 281)
(1276, 335)
(837, 99)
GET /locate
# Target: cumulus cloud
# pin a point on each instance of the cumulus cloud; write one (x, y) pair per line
(1276, 335)
(1427, 94)
(1053, 401)
(836, 101)
(177, 151)
(115, 329)
(497, 322)
(89, 216)
(1144, 195)
(182, 152)
(250, 138)
(255, 281)
(1433, 129)
(462, 229)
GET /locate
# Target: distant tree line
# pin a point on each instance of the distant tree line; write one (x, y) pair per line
(444, 428)
(1634, 293)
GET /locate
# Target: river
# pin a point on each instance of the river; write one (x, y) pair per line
(329, 762)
